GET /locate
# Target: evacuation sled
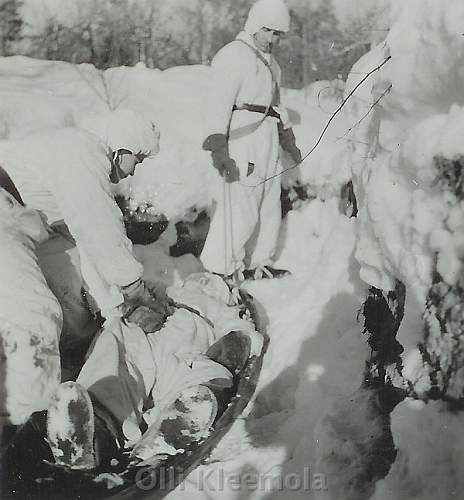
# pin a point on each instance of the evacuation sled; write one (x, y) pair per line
(30, 471)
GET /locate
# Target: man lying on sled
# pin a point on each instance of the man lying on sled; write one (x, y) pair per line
(140, 364)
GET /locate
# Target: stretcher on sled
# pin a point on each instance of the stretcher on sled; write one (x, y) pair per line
(28, 470)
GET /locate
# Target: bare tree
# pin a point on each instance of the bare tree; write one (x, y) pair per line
(112, 33)
(10, 25)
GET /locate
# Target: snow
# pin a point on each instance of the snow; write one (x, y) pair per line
(429, 464)
(316, 353)
(405, 219)
(309, 110)
(316, 356)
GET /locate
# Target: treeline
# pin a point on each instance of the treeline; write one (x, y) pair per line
(165, 33)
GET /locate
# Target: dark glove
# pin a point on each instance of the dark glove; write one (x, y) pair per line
(144, 307)
(225, 165)
(148, 319)
(137, 294)
(288, 143)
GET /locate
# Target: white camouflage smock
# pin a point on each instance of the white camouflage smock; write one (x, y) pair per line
(247, 214)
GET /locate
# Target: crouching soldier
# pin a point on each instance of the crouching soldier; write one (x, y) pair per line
(67, 175)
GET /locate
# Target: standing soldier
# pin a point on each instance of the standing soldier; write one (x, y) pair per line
(243, 137)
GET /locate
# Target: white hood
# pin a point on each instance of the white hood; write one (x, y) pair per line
(272, 14)
(124, 128)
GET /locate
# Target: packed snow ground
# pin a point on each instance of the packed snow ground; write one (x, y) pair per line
(316, 354)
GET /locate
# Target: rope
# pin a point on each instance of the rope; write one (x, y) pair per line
(381, 96)
(225, 223)
(377, 68)
(180, 305)
(232, 247)
(229, 236)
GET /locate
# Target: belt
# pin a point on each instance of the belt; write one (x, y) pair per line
(257, 108)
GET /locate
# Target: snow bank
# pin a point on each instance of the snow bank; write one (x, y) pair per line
(393, 151)
(408, 225)
(406, 220)
(35, 95)
(309, 110)
(430, 458)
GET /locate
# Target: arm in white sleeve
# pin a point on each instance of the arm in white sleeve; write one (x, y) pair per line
(83, 194)
(227, 76)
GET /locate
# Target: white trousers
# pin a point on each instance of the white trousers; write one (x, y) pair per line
(247, 214)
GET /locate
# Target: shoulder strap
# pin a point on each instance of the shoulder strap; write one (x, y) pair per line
(260, 57)
(276, 93)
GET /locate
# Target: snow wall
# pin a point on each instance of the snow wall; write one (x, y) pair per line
(406, 159)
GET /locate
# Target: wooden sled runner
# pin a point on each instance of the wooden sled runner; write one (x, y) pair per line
(28, 470)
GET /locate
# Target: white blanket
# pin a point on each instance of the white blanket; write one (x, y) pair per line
(126, 368)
